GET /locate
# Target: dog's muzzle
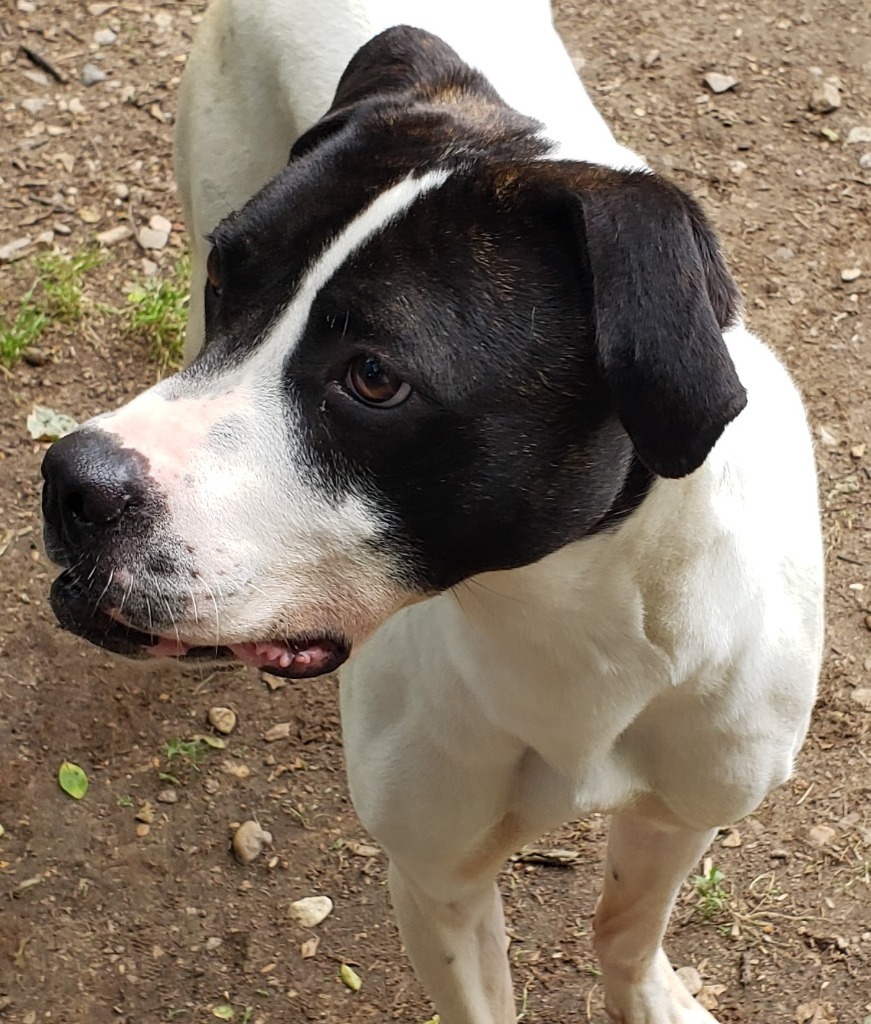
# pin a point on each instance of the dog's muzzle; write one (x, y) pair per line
(100, 508)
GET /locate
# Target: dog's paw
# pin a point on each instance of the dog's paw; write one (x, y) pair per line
(658, 997)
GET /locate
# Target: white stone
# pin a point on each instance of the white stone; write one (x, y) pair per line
(691, 979)
(825, 98)
(112, 236)
(149, 238)
(718, 83)
(310, 911)
(91, 74)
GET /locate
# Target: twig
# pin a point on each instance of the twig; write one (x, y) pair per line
(47, 66)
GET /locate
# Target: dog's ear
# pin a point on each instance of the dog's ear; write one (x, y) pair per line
(401, 61)
(662, 297)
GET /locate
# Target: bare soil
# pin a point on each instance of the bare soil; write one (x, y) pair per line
(106, 920)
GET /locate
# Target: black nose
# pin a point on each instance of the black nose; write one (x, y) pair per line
(90, 482)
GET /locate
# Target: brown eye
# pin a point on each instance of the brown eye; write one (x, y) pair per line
(214, 270)
(373, 383)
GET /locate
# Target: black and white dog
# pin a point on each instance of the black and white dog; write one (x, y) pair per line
(474, 389)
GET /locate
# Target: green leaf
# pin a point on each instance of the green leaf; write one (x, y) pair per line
(350, 978)
(224, 1012)
(211, 741)
(73, 780)
(44, 424)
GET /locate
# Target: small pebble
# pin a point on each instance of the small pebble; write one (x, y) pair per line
(222, 720)
(862, 696)
(33, 105)
(249, 840)
(92, 75)
(273, 682)
(277, 732)
(159, 223)
(145, 813)
(825, 98)
(310, 911)
(821, 835)
(168, 796)
(828, 438)
(858, 134)
(691, 979)
(865, 161)
(15, 249)
(362, 849)
(149, 238)
(114, 235)
(718, 83)
(851, 274)
(105, 37)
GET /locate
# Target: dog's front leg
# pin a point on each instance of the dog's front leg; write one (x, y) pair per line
(457, 944)
(649, 855)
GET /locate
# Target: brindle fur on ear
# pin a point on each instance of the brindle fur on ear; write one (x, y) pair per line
(407, 69)
(662, 297)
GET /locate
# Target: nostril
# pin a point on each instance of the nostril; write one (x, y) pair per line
(90, 483)
(97, 506)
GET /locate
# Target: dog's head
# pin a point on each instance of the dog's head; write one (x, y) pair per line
(431, 351)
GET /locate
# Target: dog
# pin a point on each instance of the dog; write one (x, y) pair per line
(469, 393)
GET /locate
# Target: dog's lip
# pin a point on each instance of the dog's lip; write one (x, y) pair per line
(298, 657)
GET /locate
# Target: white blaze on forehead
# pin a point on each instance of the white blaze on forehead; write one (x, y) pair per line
(381, 212)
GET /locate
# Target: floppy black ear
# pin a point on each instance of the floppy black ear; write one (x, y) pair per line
(662, 296)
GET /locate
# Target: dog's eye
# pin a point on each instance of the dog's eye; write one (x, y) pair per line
(373, 383)
(214, 271)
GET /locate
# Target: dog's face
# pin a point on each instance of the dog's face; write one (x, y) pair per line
(430, 352)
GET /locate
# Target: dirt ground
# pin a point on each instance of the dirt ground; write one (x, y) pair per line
(105, 917)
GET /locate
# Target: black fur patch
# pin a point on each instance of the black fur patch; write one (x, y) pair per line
(560, 323)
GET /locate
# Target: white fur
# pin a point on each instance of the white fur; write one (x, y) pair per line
(665, 671)
(285, 335)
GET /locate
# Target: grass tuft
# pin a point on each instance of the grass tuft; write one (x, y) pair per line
(711, 894)
(56, 296)
(158, 310)
(19, 333)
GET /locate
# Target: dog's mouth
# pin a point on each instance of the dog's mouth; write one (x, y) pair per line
(298, 657)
